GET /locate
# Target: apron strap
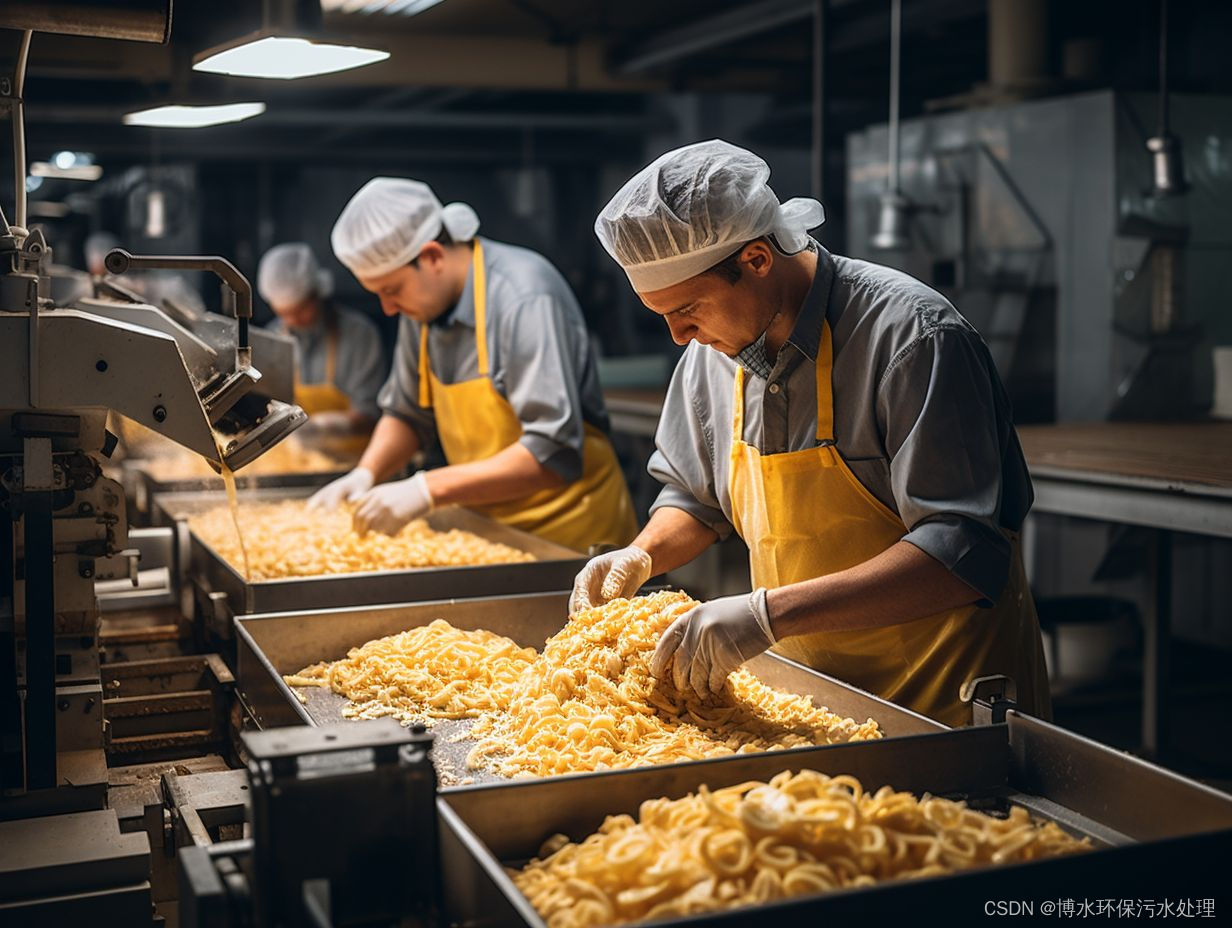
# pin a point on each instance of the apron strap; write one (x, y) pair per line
(480, 284)
(738, 408)
(825, 392)
(425, 382)
(479, 297)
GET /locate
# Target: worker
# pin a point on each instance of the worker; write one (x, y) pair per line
(848, 423)
(493, 362)
(340, 362)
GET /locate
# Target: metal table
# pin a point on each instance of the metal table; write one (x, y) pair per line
(1154, 833)
(216, 590)
(269, 646)
(1171, 477)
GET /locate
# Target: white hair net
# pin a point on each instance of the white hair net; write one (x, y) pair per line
(289, 274)
(388, 222)
(691, 208)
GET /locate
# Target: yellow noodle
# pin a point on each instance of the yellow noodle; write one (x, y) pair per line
(589, 703)
(435, 671)
(757, 842)
(284, 540)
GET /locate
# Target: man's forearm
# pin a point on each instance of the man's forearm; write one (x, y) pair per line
(391, 447)
(899, 585)
(672, 538)
(509, 474)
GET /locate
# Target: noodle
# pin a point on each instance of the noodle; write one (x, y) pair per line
(589, 703)
(284, 540)
(799, 834)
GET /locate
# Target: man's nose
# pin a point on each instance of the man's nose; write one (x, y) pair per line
(682, 330)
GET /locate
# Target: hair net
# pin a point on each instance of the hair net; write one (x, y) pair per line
(289, 274)
(388, 222)
(691, 208)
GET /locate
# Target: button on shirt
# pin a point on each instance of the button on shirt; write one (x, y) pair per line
(921, 417)
(359, 367)
(539, 358)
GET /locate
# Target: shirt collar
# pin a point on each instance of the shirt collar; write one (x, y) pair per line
(463, 311)
(806, 333)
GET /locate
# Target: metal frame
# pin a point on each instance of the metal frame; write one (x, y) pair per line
(269, 646)
(1167, 507)
(219, 586)
(1174, 844)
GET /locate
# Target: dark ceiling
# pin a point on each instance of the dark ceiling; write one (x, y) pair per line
(473, 80)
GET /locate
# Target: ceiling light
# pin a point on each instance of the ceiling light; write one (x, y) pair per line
(286, 58)
(64, 160)
(72, 172)
(193, 117)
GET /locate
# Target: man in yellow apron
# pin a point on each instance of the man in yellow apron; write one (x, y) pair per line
(848, 423)
(493, 362)
(340, 362)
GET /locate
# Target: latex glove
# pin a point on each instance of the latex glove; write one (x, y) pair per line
(331, 422)
(711, 640)
(614, 575)
(345, 489)
(390, 506)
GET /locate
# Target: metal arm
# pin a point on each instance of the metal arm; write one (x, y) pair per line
(119, 261)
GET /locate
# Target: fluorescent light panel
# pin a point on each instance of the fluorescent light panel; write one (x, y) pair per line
(193, 117)
(76, 172)
(286, 58)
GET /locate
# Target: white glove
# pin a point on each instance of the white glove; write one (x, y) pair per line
(390, 506)
(711, 640)
(615, 575)
(345, 489)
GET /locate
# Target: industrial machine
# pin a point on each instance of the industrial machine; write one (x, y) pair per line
(63, 369)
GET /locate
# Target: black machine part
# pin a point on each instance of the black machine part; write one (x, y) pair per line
(344, 833)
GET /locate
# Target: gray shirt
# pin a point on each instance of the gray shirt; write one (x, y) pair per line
(920, 415)
(359, 368)
(539, 357)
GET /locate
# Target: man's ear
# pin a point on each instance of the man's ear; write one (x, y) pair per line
(757, 258)
(432, 255)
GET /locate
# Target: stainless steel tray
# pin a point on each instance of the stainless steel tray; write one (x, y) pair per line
(141, 487)
(269, 646)
(220, 591)
(1158, 835)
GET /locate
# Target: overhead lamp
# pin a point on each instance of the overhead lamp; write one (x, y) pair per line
(179, 116)
(285, 47)
(894, 214)
(71, 172)
(1167, 162)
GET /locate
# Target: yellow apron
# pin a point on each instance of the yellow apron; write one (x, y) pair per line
(326, 397)
(804, 514)
(475, 422)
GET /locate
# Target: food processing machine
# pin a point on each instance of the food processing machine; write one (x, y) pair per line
(63, 369)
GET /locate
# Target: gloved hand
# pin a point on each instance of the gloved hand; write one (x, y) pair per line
(330, 422)
(711, 640)
(345, 489)
(614, 575)
(390, 506)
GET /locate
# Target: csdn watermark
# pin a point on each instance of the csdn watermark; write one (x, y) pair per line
(1100, 908)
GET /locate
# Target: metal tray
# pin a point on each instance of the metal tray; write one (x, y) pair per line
(220, 592)
(269, 646)
(141, 487)
(1159, 836)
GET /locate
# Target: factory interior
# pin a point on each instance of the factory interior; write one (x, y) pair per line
(442, 444)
